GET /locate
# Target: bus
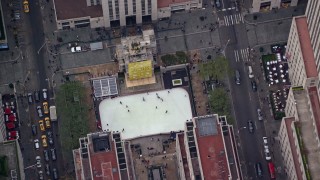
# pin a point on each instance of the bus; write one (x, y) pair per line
(272, 170)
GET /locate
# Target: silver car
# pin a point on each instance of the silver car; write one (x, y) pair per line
(260, 116)
(39, 110)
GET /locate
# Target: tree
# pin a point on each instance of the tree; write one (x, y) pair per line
(217, 69)
(220, 103)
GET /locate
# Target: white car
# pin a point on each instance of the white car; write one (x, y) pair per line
(267, 154)
(260, 117)
(265, 141)
(45, 94)
(39, 111)
(36, 144)
(76, 49)
(38, 159)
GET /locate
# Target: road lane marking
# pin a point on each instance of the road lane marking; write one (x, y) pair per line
(236, 55)
(231, 20)
(237, 19)
(241, 18)
(226, 21)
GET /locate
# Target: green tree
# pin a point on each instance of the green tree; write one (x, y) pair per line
(169, 59)
(181, 56)
(217, 69)
(220, 103)
(73, 111)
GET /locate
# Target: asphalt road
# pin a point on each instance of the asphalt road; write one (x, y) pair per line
(38, 75)
(233, 37)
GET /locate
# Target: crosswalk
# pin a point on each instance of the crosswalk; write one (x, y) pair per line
(233, 19)
(242, 54)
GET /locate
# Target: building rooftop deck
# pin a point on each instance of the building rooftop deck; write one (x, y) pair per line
(306, 48)
(211, 149)
(290, 131)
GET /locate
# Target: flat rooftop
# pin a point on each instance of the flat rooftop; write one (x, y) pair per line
(211, 148)
(289, 122)
(146, 114)
(306, 48)
(103, 162)
(70, 9)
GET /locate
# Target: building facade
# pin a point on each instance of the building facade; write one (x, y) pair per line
(3, 136)
(301, 61)
(313, 15)
(267, 5)
(115, 13)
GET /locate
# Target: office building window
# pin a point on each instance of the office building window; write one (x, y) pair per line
(110, 9)
(126, 6)
(143, 7)
(134, 6)
(116, 2)
(149, 6)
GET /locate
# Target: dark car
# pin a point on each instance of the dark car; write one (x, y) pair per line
(37, 96)
(47, 168)
(254, 86)
(250, 126)
(258, 168)
(34, 129)
(46, 155)
(50, 137)
(55, 173)
(53, 154)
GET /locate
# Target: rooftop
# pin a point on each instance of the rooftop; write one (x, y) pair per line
(289, 122)
(11, 151)
(184, 156)
(69, 9)
(167, 3)
(306, 48)
(211, 148)
(146, 114)
(103, 157)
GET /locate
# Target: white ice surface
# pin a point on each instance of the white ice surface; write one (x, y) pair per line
(144, 118)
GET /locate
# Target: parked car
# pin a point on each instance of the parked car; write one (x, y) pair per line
(260, 116)
(250, 126)
(30, 99)
(44, 141)
(50, 137)
(53, 154)
(13, 134)
(258, 168)
(26, 6)
(45, 107)
(34, 129)
(55, 173)
(45, 94)
(267, 154)
(40, 175)
(39, 110)
(237, 77)
(37, 96)
(47, 169)
(254, 86)
(36, 144)
(47, 122)
(46, 155)
(41, 125)
(38, 160)
(10, 125)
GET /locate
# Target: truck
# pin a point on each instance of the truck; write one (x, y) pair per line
(53, 113)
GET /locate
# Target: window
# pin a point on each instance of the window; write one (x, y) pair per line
(143, 6)
(116, 2)
(110, 9)
(134, 6)
(149, 6)
(126, 6)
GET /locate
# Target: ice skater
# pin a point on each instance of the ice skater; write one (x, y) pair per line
(156, 107)
(168, 92)
(143, 99)
(120, 102)
(166, 111)
(128, 110)
(122, 129)
(126, 106)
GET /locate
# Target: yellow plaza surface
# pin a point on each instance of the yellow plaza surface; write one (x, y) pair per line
(140, 70)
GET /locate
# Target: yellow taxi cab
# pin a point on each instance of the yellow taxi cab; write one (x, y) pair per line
(47, 122)
(45, 108)
(26, 6)
(41, 125)
(44, 141)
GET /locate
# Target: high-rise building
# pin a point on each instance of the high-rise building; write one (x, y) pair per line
(3, 136)
(114, 13)
(313, 18)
